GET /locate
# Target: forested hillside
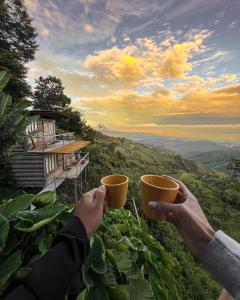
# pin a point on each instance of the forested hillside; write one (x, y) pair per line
(218, 160)
(219, 196)
(125, 260)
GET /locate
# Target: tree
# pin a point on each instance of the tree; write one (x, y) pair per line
(17, 45)
(234, 168)
(49, 94)
(71, 120)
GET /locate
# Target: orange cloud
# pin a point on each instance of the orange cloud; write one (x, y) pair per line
(88, 28)
(131, 108)
(115, 67)
(144, 62)
(44, 32)
(32, 5)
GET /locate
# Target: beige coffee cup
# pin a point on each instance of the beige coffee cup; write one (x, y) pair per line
(157, 188)
(117, 188)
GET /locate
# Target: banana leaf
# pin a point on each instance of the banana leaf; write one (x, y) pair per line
(4, 230)
(13, 206)
(9, 266)
(33, 220)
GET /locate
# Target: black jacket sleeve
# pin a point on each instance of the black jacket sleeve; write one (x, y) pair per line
(52, 275)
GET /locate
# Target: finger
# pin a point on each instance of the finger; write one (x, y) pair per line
(180, 198)
(100, 195)
(163, 208)
(105, 207)
(173, 219)
(90, 193)
(182, 186)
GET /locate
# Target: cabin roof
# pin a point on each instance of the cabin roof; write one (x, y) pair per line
(46, 114)
(70, 148)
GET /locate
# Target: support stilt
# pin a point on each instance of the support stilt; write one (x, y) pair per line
(81, 183)
(75, 190)
(85, 175)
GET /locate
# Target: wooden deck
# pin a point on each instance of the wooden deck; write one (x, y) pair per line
(70, 148)
(76, 170)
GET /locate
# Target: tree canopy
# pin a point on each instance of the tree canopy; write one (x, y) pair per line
(17, 45)
(49, 94)
(17, 34)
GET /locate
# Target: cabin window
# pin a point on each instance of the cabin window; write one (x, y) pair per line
(51, 128)
(32, 127)
(51, 163)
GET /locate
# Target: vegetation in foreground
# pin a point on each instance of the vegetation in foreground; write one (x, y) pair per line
(219, 195)
(125, 262)
(180, 275)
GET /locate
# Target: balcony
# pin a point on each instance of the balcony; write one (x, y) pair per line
(46, 143)
(71, 171)
(68, 168)
(76, 168)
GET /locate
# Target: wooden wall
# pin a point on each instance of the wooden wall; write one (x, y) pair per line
(28, 168)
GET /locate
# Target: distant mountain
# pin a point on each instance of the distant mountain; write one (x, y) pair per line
(217, 159)
(212, 154)
(186, 147)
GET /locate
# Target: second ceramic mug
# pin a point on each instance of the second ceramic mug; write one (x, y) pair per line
(117, 188)
(157, 188)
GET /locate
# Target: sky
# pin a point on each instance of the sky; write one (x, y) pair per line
(167, 67)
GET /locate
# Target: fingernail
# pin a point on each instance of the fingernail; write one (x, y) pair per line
(152, 204)
(103, 188)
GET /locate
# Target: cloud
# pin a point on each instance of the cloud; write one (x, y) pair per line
(44, 32)
(71, 23)
(88, 28)
(145, 65)
(32, 5)
(115, 67)
(205, 107)
(145, 62)
(219, 133)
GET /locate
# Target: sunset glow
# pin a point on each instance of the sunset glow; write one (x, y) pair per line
(161, 67)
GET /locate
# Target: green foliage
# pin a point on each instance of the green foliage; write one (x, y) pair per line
(125, 260)
(72, 121)
(8, 267)
(35, 219)
(42, 199)
(10, 209)
(4, 229)
(217, 193)
(27, 233)
(49, 95)
(13, 122)
(17, 45)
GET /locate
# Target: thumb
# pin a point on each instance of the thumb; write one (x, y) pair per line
(163, 207)
(100, 194)
(167, 211)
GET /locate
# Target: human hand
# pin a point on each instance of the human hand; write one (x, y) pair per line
(90, 209)
(187, 216)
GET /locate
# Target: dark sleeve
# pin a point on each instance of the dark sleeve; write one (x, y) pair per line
(52, 275)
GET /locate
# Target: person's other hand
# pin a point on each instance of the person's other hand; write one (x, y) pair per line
(187, 216)
(90, 209)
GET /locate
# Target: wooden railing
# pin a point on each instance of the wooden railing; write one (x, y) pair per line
(76, 168)
(47, 142)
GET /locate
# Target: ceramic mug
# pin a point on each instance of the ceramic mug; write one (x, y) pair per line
(157, 188)
(117, 188)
